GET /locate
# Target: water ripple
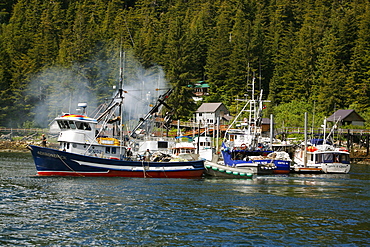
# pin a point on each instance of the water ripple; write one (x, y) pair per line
(278, 211)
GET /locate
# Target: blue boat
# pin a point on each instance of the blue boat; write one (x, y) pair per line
(53, 162)
(99, 147)
(244, 147)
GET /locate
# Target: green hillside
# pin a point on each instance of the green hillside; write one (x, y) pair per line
(310, 55)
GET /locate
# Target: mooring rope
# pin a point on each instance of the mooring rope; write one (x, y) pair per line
(69, 166)
(144, 172)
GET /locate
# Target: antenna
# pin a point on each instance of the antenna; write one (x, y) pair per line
(129, 33)
(260, 74)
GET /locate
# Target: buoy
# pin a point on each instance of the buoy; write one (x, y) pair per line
(214, 168)
(242, 174)
(221, 170)
(249, 174)
(208, 166)
(228, 172)
(235, 173)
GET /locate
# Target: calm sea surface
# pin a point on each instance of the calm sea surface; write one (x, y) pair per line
(295, 210)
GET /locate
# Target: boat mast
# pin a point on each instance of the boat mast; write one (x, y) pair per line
(121, 71)
(305, 141)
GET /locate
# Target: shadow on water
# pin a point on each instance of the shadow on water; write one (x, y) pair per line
(322, 209)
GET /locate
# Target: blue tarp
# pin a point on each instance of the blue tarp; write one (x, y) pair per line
(319, 142)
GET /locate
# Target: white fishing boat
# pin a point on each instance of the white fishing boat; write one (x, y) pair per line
(321, 156)
(99, 147)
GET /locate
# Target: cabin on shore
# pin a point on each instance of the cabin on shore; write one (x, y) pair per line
(346, 117)
(208, 113)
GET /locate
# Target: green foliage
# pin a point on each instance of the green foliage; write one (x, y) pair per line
(300, 52)
(29, 125)
(292, 114)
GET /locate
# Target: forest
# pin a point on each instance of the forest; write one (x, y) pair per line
(307, 56)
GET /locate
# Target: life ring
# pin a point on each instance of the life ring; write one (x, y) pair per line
(243, 146)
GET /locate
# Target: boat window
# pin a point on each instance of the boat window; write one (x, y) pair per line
(80, 125)
(114, 150)
(162, 144)
(107, 150)
(72, 124)
(318, 158)
(87, 126)
(66, 124)
(61, 125)
(68, 145)
(83, 126)
(328, 157)
(344, 158)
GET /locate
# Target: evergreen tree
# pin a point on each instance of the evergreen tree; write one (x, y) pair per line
(218, 60)
(178, 63)
(357, 86)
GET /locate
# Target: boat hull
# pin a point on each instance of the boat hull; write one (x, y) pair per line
(282, 167)
(52, 162)
(335, 168)
(222, 171)
(258, 166)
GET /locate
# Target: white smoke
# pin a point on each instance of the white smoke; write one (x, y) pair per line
(59, 90)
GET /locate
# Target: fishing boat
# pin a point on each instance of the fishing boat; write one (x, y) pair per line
(99, 147)
(321, 156)
(243, 148)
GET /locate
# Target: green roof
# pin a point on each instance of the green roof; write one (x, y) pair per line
(201, 85)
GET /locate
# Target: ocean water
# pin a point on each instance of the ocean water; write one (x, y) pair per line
(294, 210)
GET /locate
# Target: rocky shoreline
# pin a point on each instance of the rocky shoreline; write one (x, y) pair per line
(18, 146)
(15, 146)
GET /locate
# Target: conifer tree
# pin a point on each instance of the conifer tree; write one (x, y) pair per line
(218, 60)
(358, 82)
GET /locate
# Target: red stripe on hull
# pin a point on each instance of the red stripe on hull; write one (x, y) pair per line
(281, 171)
(130, 174)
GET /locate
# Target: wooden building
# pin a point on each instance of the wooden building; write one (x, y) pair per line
(346, 117)
(208, 113)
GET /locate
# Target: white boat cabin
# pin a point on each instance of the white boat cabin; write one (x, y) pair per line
(323, 157)
(79, 134)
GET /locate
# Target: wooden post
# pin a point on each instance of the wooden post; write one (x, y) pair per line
(348, 140)
(305, 141)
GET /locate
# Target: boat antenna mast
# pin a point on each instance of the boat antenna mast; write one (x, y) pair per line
(122, 56)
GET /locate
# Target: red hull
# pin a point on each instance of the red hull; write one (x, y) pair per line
(132, 174)
(281, 172)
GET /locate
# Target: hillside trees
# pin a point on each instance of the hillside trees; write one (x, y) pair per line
(316, 52)
(218, 62)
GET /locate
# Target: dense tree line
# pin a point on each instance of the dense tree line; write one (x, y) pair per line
(311, 55)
